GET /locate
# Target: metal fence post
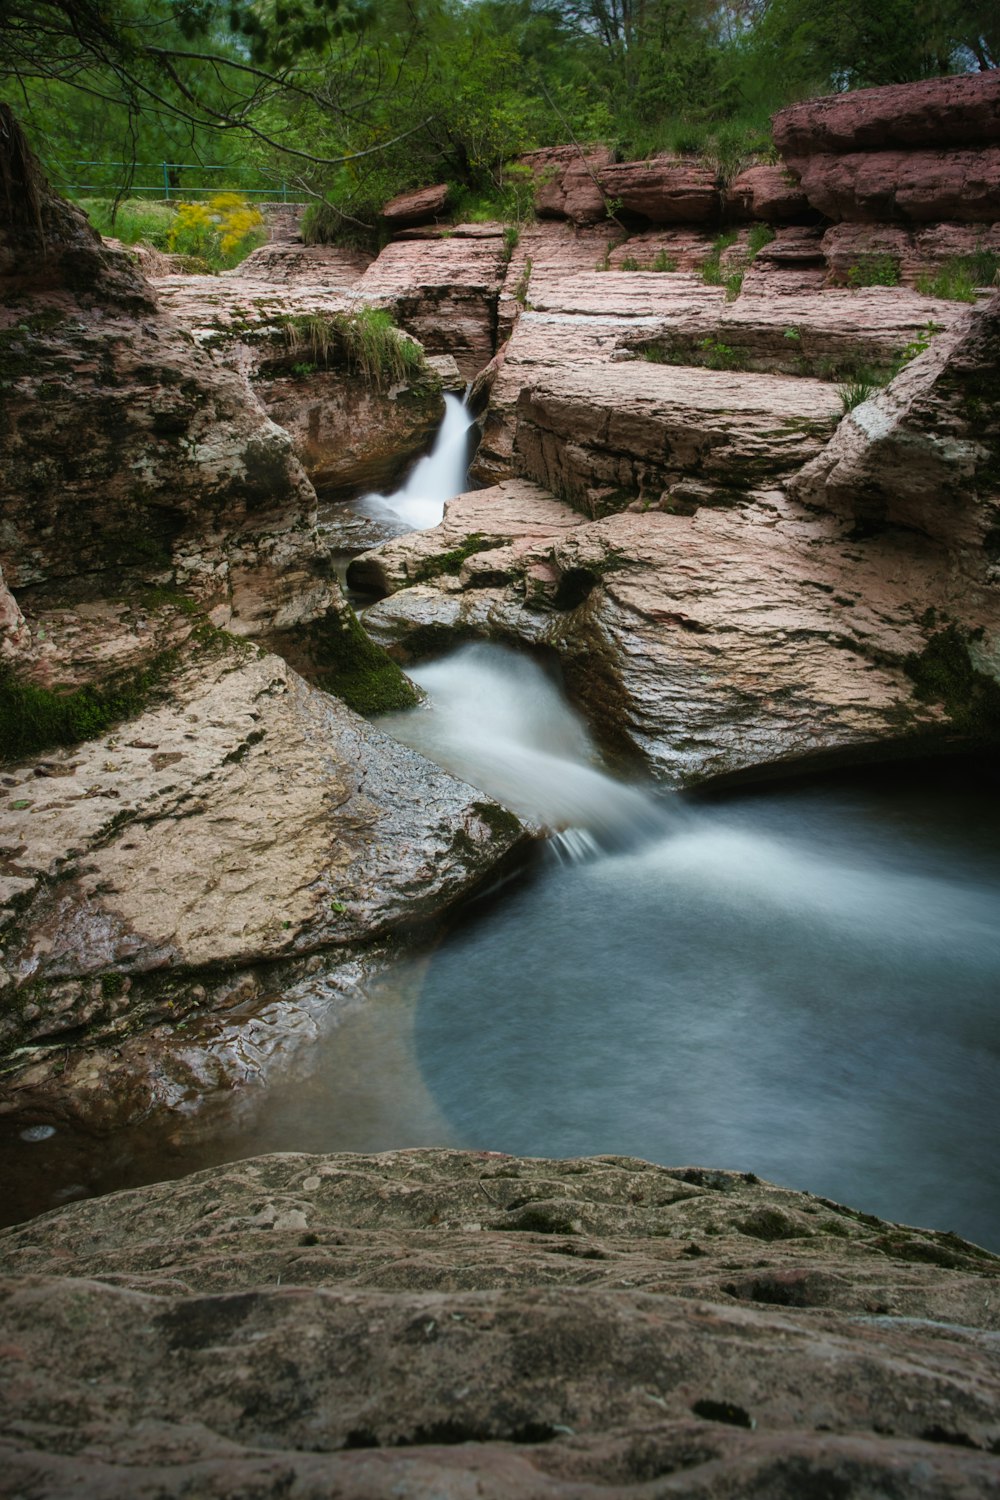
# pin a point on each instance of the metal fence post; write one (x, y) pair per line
(166, 181)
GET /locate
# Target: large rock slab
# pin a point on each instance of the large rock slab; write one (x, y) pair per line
(591, 1327)
(933, 113)
(915, 187)
(649, 432)
(707, 645)
(924, 452)
(249, 821)
(567, 185)
(665, 190)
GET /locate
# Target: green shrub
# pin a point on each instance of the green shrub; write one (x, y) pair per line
(222, 231)
(663, 262)
(874, 270)
(629, 263)
(719, 356)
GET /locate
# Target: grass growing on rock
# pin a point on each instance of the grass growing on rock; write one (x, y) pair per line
(960, 278)
(367, 342)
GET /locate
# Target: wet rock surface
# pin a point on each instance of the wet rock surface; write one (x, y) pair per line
(455, 1321)
(249, 821)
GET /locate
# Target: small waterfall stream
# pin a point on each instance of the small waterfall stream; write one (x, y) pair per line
(435, 478)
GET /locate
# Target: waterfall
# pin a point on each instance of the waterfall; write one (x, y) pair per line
(494, 718)
(440, 475)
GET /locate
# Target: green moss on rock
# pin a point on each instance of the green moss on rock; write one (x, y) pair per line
(944, 673)
(34, 718)
(351, 666)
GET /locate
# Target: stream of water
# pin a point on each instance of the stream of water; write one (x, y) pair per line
(435, 478)
(803, 982)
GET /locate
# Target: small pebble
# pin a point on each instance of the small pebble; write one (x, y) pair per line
(38, 1132)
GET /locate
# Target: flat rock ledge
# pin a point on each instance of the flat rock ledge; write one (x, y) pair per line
(447, 1323)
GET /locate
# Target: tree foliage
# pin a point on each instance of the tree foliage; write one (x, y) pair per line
(353, 101)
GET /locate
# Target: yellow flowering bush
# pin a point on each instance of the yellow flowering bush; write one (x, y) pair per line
(222, 231)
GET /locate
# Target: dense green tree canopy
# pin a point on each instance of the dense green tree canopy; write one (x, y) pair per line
(354, 100)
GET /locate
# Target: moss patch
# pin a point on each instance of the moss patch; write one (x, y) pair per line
(34, 718)
(501, 823)
(351, 666)
(451, 562)
(943, 673)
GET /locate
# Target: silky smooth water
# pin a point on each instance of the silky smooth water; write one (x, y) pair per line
(434, 479)
(804, 984)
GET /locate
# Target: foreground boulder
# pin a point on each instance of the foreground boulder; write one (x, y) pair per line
(441, 1321)
(247, 822)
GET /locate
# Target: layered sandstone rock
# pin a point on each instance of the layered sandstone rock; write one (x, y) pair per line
(769, 193)
(664, 190)
(148, 501)
(715, 641)
(590, 1327)
(912, 153)
(924, 453)
(567, 185)
(444, 290)
(249, 820)
(934, 113)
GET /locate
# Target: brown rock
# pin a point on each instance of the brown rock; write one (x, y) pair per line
(909, 186)
(934, 113)
(665, 190)
(581, 1328)
(770, 193)
(421, 206)
(636, 431)
(917, 251)
(350, 436)
(444, 291)
(924, 453)
(46, 244)
(568, 185)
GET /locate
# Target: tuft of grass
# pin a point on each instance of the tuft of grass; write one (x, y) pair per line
(523, 282)
(874, 270)
(367, 342)
(511, 239)
(663, 262)
(857, 388)
(959, 278)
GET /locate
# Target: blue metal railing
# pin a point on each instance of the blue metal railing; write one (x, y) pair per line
(167, 188)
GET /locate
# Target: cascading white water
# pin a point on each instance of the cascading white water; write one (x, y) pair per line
(437, 477)
(494, 718)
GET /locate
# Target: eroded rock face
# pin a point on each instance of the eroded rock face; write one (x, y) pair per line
(567, 183)
(714, 640)
(771, 194)
(664, 190)
(444, 290)
(925, 452)
(915, 187)
(934, 113)
(589, 1326)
